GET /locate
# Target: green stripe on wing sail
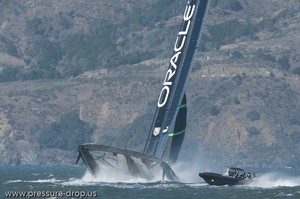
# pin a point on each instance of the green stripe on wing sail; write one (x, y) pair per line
(180, 132)
(176, 133)
(182, 106)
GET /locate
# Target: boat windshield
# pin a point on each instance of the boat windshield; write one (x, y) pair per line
(232, 171)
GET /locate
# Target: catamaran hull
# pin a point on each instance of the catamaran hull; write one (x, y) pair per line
(138, 164)
(219, 180)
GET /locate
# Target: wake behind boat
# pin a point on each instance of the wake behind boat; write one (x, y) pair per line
(231, 176)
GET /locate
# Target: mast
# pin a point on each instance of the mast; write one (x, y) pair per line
(171, 94)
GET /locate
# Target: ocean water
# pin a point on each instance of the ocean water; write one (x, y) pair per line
(76, 182)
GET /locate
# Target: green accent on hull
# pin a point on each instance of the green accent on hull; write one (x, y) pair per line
(176, 133)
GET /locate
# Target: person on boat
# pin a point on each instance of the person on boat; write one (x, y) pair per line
(248, 175)
(234, 173)
(243, 175)
(237, 175)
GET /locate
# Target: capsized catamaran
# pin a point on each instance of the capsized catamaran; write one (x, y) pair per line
(168, 126)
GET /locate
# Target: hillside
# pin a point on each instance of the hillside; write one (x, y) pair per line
(75, 71)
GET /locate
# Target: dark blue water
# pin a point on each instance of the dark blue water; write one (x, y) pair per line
(74, 182)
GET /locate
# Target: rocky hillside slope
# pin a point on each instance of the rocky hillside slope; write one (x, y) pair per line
(77, 71)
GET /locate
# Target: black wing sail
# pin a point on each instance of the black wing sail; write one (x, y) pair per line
(172, 92)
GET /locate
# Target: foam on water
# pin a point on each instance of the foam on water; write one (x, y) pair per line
(12, 181)
(52, 180)
(133, 183)
(121, 179)
(114, 176)
(188, 173)
(275, 179)
(111, 177)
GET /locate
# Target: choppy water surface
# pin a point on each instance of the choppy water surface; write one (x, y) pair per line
(73, 182)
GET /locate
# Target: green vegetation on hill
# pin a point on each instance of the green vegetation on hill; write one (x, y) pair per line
(253, 115)
(282, 61)
(68, 43)
(297, 71)
(67, 133)
(233, 5)
(56, 51)
(227, 32)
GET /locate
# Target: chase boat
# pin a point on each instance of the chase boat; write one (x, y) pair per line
(230, 176)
